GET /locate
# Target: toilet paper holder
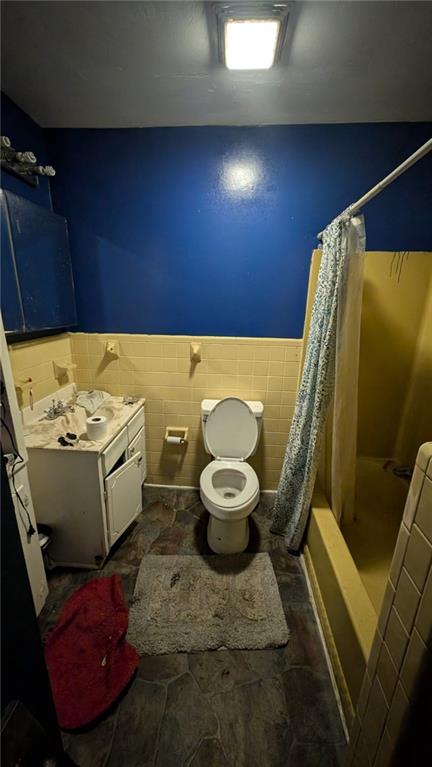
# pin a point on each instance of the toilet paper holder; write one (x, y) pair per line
(176, 435)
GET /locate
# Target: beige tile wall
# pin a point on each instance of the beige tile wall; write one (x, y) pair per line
(402, 646)
(34, 359)
(159, 369)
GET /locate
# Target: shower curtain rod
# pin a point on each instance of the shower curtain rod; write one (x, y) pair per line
(411, 160)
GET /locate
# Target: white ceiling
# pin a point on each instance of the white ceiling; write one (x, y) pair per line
(131, 64)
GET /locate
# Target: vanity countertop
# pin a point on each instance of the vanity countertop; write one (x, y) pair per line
(43, 433)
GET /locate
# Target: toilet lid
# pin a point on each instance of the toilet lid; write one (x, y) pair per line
(231, 429)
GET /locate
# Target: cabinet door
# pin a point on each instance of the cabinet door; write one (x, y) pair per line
(123, 496)
(11, 307)
(138, 446)
(41, 248)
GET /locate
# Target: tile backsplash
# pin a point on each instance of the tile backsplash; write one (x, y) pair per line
(159, 368)
(35, 359)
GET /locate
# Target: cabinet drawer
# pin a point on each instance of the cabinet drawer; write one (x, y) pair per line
(135, 424)
(114, 451)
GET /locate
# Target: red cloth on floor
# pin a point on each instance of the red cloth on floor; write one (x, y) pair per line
(89, 661)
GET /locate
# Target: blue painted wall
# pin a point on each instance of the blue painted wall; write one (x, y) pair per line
(25, 135)
(210, 230)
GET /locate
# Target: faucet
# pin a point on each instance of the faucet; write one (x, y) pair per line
(57, 409)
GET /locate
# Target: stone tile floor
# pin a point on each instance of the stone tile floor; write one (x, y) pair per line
(243, 708)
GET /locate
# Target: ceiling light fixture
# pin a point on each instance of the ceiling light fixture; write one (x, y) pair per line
(251, 35)
(251, 44)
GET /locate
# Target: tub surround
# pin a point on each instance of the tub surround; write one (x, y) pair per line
(395, 355)
(371, 537)
(415, 425)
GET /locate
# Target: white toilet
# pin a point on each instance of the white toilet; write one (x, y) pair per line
(229, 487)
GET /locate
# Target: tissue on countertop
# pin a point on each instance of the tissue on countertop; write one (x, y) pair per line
(91, 400)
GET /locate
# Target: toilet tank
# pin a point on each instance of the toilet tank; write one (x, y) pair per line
(207, 406)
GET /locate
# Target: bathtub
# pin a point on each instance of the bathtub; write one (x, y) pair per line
(346, 612)
(348, 570)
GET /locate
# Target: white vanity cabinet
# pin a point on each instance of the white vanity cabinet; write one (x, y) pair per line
(90, 498)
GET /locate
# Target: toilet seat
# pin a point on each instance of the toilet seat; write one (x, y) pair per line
(229, 508)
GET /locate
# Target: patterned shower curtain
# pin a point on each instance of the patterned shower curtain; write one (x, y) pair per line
(341, 239)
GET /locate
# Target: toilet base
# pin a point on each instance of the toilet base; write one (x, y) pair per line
(227, 537)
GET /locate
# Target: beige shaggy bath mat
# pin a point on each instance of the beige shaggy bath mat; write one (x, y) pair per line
(193, 603)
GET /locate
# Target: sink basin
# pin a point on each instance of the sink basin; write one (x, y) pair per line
(72, 422)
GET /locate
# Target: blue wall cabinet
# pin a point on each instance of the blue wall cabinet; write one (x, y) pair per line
(11, 305)
(37, 282)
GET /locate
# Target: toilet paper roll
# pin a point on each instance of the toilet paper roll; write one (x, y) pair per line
(174, 440)
(96, 427)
